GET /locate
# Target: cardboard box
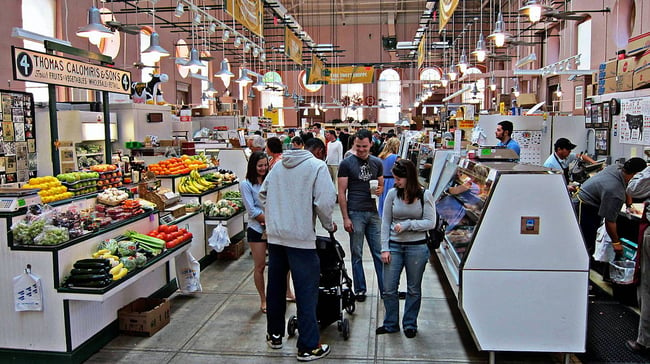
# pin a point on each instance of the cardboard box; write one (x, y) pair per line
(607, 85)
(232, 251)
(144, 316)
(641, 78)
(166, 143)
(624, 82)
(607, 69)
(626, 65)
(589, 90)
(527, 100)
(638, 44)
(201, 111)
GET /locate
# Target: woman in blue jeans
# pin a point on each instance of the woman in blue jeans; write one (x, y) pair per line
(403, 246)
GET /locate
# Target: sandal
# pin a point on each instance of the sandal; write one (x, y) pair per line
(291, 299)
(263, 309)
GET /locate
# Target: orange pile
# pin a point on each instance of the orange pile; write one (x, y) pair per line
(173, 166)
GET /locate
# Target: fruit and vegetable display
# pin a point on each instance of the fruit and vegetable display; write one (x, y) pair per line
(50, 188)
(112, 196)
(114, 259)
(194, 183)
(182, 165)
(222, 176)
(103, 168)
(110, 179)
(222, 208)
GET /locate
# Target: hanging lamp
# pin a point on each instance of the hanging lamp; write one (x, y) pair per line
(244, 80)
(481, 50)
(499, 35)
(558, 91)
(452, 74)
(462, 63)
(95, 31)
(493, 83)
(194, 63)
(534, 9)
(154, 46)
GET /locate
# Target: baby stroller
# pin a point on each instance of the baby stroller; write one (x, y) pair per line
(334, 290)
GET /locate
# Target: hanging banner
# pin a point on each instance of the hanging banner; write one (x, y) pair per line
(48, 68)
(318, 74)
(247, 13)
(446, 10)
(273, 115)
(292, 46)
(422, 50)
(633, 121)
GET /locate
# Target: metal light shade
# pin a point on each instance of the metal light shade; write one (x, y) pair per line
(534, 9)
(179, 10)
(493, 83)
(444, 81)
(481, 50)
(154, 46)
(247, 47)
(462, 63)
(452, 73)
(499, 35)
(244, 80)
(558, 91)
(259, 85)
(197, 19)
(256, 52)
(224, 73)
(263, 57)
(225, 35)
(95, 30)
(212, 28)
(194, 63)
(237, 42)
(210, 88)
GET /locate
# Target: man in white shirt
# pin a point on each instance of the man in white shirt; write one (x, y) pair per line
(334, 154)
(562, 157)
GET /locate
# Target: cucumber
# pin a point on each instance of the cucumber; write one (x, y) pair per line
(79, 271)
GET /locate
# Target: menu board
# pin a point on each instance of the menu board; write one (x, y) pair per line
(17, 137)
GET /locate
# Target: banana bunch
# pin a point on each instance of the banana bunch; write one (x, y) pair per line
(194, 183)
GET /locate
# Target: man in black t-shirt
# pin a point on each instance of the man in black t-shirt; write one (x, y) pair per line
(359, 208)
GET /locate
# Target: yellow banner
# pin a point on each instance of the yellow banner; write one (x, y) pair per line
(273, 115)
(445, 11)
(248, 13)
(47, 68)
(339, 75)
(292, 46)
(422, 50)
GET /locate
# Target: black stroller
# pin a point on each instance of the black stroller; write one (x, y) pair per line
(334, 290)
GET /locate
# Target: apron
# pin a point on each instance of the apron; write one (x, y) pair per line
(565, 170)
(643, 225)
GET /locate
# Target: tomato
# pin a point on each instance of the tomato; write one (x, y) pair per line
(163, 228)
(172, 228)
(153, 233)
(182, 230)
(187, 236)
(173, 243)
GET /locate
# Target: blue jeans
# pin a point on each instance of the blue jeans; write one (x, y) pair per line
(414, 258)
(304, 265)
(366, 224)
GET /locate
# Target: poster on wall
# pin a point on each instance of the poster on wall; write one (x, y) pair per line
(596, 117)
(588, 113)
(634, 121)
(530, 142)
(602, 141)
(17, 135)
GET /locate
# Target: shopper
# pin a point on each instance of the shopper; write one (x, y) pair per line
(317, 132)
(388, 157)
(256, 143)
(409, 212)
(504, 134)
(359, 208)
(294, 192)
(601, 197)
(639, 188)
(250, 187)
(286, 143)
(273, 150)
(297, 143)
(562, 157)
(334, 154)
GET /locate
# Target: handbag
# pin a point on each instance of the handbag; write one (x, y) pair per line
(436, 235)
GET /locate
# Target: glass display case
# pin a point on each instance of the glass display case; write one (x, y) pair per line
(513, 254)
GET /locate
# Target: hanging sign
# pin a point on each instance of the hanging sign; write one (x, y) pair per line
(318, 74)
(247, 13)
(446, 9)
(48, 68)
(292, 46)
(422, 50)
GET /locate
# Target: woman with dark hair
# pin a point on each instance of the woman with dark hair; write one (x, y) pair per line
(258, 166)
(388, 158)
(408, 213)
(274, 150)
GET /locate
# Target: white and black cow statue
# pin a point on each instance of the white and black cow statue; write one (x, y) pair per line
(149, 92)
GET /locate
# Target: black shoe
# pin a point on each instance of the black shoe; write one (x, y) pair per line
(401, 295)
(320, 352)
(635, 347)
(410, 333)
(274, 341)
(383, 330)
(361, 297)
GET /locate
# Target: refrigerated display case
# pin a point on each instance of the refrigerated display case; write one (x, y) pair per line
(513, 255)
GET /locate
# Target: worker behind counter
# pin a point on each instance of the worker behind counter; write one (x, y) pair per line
(562, 158)
(504, 134)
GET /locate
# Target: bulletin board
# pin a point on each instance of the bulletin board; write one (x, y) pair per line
(17, 136)
(634, 121)
(530, 142)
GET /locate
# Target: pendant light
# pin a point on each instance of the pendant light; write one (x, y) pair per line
(194, 62)
(210, 90)
(154, 40)
(179, 11)
(558, 91)
(452, 74)
(481, 50)
(534, 9)
(499, 35)
(95, 31)
(493, 83)
(462, 63)
(244, 80)
(224, 72)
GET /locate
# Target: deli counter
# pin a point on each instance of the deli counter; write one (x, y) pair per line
(513, 254)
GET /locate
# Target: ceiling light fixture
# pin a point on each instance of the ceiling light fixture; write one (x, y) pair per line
(462, 63)
(499, 35)
(493, 83)
(154, 40)
(534, 9)
(180, 10)
(558, 91)
(194, 62)
(244, 80)
(481, 50)
(452, 73)
(95, 31)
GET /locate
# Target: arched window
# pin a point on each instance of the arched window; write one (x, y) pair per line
(476, 93)
(352, 96)
(272, 96)
(389, 94)
(38, 17)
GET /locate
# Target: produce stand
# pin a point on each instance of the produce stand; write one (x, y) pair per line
(234, 224)
(514, 256)
(191, 221)
(84, 319)
(213, 194)
(172, 181)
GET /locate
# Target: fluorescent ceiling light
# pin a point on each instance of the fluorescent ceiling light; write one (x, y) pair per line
(35, 37)
(526, 60)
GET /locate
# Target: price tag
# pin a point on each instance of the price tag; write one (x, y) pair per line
(169, 195)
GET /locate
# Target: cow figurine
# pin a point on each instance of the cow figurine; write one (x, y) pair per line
(635, 122)
(149, 93)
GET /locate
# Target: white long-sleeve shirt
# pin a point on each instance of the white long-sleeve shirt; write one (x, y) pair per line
(334, 153)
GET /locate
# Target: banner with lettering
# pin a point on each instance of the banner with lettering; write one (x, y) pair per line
(248, 13)
(422, 50)
(446, 10)
(318, 74)
(292, 46)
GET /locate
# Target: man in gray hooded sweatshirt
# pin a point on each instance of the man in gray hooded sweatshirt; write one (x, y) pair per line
(293, 194)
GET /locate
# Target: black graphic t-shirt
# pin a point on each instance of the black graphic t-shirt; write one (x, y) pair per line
(359, 172)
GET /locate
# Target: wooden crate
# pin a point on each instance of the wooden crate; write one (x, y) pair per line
(232, 251)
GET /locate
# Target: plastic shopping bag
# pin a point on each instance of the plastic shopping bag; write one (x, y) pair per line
(188, 273)
(604, 251)
(28, 295)
(219, 238)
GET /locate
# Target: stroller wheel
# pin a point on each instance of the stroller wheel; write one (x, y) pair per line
(345, 329)
(292, 326)
(350, 307)
(339, 326)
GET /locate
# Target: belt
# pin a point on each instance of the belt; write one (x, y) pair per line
(417, 242)
(388, 176)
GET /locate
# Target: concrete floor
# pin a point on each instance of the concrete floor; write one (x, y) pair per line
(223, 324)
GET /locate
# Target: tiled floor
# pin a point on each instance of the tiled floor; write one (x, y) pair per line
(223, 324)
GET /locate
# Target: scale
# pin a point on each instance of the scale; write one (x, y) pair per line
(496, 153)
(13, 199)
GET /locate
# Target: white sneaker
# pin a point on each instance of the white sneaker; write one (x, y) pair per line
(320, 352)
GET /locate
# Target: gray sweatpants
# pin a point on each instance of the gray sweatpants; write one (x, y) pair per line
(643, 292)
